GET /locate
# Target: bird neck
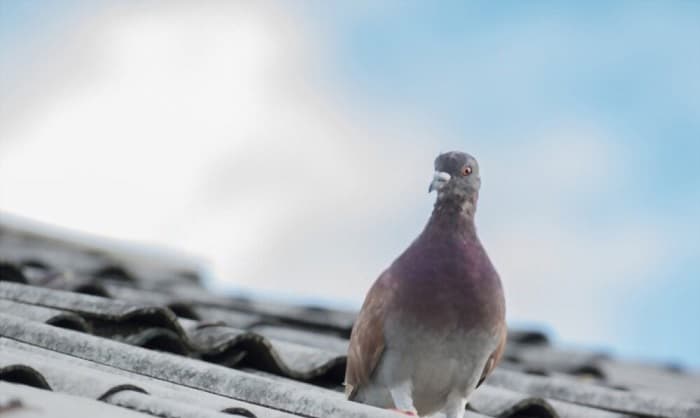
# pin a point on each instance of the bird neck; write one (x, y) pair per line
(455, 214)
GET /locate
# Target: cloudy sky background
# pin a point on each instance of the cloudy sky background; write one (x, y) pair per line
(291, 146)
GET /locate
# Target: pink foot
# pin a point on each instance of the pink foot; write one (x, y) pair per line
(409, 413)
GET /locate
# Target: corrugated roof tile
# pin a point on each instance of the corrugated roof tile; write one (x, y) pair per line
(500, 402)
(50, 316)
(66, 312)
(184, 371)
(50, 363)
(595, 396)
(37, 403)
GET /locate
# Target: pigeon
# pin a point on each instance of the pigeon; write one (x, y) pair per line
(432, 326)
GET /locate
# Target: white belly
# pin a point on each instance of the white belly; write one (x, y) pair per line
(435, 367)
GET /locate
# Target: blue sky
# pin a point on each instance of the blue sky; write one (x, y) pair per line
(585, 118)
(504, 73)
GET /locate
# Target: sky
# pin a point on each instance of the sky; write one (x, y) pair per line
(290, 145)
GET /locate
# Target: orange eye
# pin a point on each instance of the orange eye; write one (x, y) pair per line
(466, 171)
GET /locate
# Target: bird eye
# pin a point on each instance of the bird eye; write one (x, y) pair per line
(466, 171)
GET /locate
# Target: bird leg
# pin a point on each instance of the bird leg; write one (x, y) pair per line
(408, 413)
(402, 396)
(455, 405)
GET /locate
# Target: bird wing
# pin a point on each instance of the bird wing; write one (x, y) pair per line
(495, 357)
(367, 338)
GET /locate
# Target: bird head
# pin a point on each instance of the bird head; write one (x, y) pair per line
(456, 178)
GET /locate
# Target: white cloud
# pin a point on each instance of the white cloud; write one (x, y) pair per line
(560, 264)
(208, 130)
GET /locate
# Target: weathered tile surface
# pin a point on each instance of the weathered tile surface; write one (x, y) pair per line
(85, 332)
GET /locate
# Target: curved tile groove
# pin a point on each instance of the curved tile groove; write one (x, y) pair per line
(113, 272)
(25, 375)
(239, 411)
(506, 404)
(107, 317)
(235, 384)
(592, 371)
(50, 316)
(67, 281)
(158, 328)
(320, 319)
(111, 391)
(11, 273)
(531, 408)
(594, 396)
(160, 339)
(142, 402)
(527, 337)
(232, 347)
(70, 321)
(41, 403)
(80, 377)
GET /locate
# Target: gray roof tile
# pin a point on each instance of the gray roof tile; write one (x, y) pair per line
(61, 366)
(50, 316)
(499, 402)
(595, 396)
(184, 371)
(294, 360)
(89, 306)
(38, 403)
(328, 342)
(151, 405)
(145, 337)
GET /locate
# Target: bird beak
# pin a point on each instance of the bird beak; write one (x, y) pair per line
(440, 179)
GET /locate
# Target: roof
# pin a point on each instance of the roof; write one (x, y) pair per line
(85, 331)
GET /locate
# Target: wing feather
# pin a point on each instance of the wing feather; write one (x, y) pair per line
(367, 337)
(495, 357)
